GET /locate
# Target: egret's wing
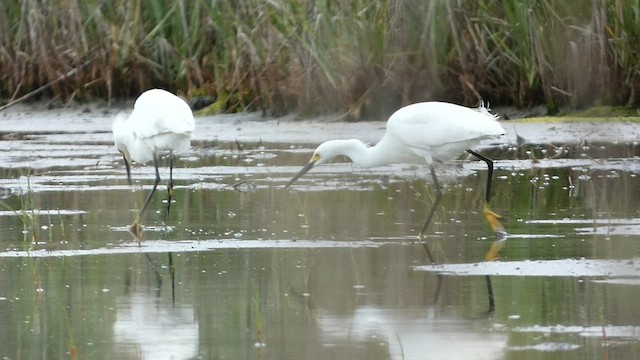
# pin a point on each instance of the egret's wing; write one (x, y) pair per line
(434, 124)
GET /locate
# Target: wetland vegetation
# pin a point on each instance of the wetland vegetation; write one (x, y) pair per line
(247, 269)
(360, 58)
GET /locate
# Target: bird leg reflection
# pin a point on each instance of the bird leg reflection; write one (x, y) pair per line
(172, 272)
(491, 297)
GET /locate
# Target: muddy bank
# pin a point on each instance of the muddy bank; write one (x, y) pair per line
(253, 127)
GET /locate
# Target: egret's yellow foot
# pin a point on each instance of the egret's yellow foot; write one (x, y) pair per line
(136, 229)
(493, 219)
(501, 234)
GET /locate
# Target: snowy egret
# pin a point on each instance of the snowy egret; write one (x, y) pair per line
(423, 133)
(160, 123)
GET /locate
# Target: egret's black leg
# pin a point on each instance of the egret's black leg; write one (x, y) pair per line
(169, 188)
(136, 227)
(492, 218)
(431, 212)
(155, 185)
(489, 162)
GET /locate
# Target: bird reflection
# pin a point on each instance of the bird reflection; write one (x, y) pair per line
(147, 328)
(148, 325)
(412, 334)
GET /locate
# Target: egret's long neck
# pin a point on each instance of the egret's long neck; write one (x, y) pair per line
(365, 156)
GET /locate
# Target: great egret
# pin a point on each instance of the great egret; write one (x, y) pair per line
(423, 133)
(160, 122)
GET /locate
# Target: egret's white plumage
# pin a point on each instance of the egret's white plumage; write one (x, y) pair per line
(421, 133)
(160, 123)
(418, 134)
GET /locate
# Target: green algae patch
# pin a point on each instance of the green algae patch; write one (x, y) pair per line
(608, 111)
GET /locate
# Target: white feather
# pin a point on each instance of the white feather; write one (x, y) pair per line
(160, 122)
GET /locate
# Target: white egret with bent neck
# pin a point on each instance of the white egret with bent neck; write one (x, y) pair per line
(160, 123)
(424, 133)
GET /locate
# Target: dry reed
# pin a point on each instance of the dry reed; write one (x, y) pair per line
(361, 57)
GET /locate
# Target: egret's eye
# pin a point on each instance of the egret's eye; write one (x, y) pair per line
(315, 157)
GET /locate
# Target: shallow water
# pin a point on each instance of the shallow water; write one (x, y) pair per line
(330, 269)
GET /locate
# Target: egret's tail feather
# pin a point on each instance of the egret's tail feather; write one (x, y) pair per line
(484, 109)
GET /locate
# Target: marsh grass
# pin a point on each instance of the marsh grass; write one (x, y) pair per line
(30, 230)
(29, 218)
(256, 307)
(29, 214)
(360, 57)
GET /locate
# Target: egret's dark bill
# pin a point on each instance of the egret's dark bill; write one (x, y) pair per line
(302, 171)
(128, 166)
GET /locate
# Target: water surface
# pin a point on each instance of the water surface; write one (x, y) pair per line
(330, 269)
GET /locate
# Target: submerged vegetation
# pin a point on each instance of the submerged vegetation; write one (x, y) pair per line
(360, 57)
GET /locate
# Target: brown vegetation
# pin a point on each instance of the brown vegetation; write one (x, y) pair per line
(359, 57)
